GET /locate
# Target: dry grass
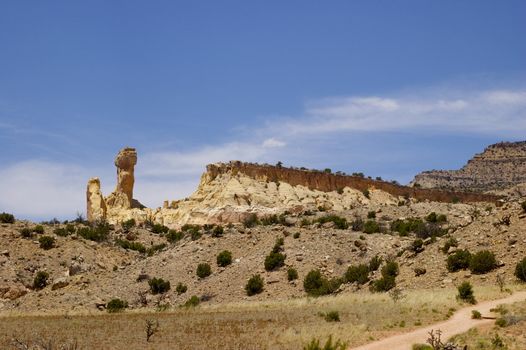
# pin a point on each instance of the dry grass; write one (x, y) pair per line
(250, 325)
(512, 337)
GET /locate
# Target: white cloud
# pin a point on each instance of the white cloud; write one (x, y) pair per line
(43, 189)
(273, 143)
(501, 113)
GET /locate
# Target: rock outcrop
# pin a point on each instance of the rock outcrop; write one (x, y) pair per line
(501, 166)
(120, 201)
(229, 192)
(96, 210)
(122, 197)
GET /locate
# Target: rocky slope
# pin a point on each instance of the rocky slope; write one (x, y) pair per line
(85, 275)
(500, 167)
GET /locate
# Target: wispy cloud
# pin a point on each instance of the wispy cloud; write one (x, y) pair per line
(499, 112)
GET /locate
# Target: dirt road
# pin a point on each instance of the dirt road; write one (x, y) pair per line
(460, 322)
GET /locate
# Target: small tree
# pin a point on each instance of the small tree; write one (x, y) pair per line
(181, 288)
(224, 258)
(159, 286)
(203, 270)
(254, 285)
(358, 274)
(6, 218)
(482, 262)
(292, 274)
(116, 305)
(465, 293)
(40, 280)
(46, 242)
(274, 261)
(520, 270)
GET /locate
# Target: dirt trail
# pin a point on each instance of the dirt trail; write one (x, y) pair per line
(460, 322)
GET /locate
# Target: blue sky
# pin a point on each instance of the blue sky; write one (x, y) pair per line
(389, 88)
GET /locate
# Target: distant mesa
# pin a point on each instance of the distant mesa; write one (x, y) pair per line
(500, 167)
(230, 192)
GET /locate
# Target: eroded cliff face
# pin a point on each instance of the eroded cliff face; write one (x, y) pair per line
(501, 166)
(229, 192)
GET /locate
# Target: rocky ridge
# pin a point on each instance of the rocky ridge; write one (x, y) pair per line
(501, 166)
(229, 192)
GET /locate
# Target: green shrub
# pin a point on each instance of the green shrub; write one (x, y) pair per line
(38, 229)
(188, 228)
(254, 285)
(523, 206)
(193, 301)
(195, 235)
(421, 347)
(97, 233)
(26, 232)
(371, 215)
(137, 246)
(465, 293)
(203, 270)
(476, 315)
(181, 288)
(155, 248)
(316, 285)
(390, 269)
(388, 280)
(6, 218)
(366, 193)
(292, 274)
(296, 235)
(403, 227)
(274, 261)
(332, 316)
(40, 280)
(375, 263)
(158, 228)
(451, 242)
(383, 284)
(251, 221)
(417, 245)
(116, 305)
(270, 220)
(174, 236)
(128, 224)
(46, 242)
(159, 286)
(339, 222)
(358, 274)
(520, 270)
(61, 231)
(315, 345)
(224, 258)
(501, 322)
(371, 226)
(357, 224)
(482, 262)
(459, 260)
(278, 246)
(218, 231)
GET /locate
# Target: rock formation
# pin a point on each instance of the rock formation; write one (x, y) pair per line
(96, 210)
(499, 167)
(122, 197)
(229, 192)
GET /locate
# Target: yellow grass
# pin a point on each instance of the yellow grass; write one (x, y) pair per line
(250, 325)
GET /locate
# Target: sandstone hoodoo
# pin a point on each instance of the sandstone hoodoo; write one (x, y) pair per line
(500, 166)
(230, 192)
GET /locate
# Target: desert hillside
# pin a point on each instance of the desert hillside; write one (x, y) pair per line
(501, 166)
